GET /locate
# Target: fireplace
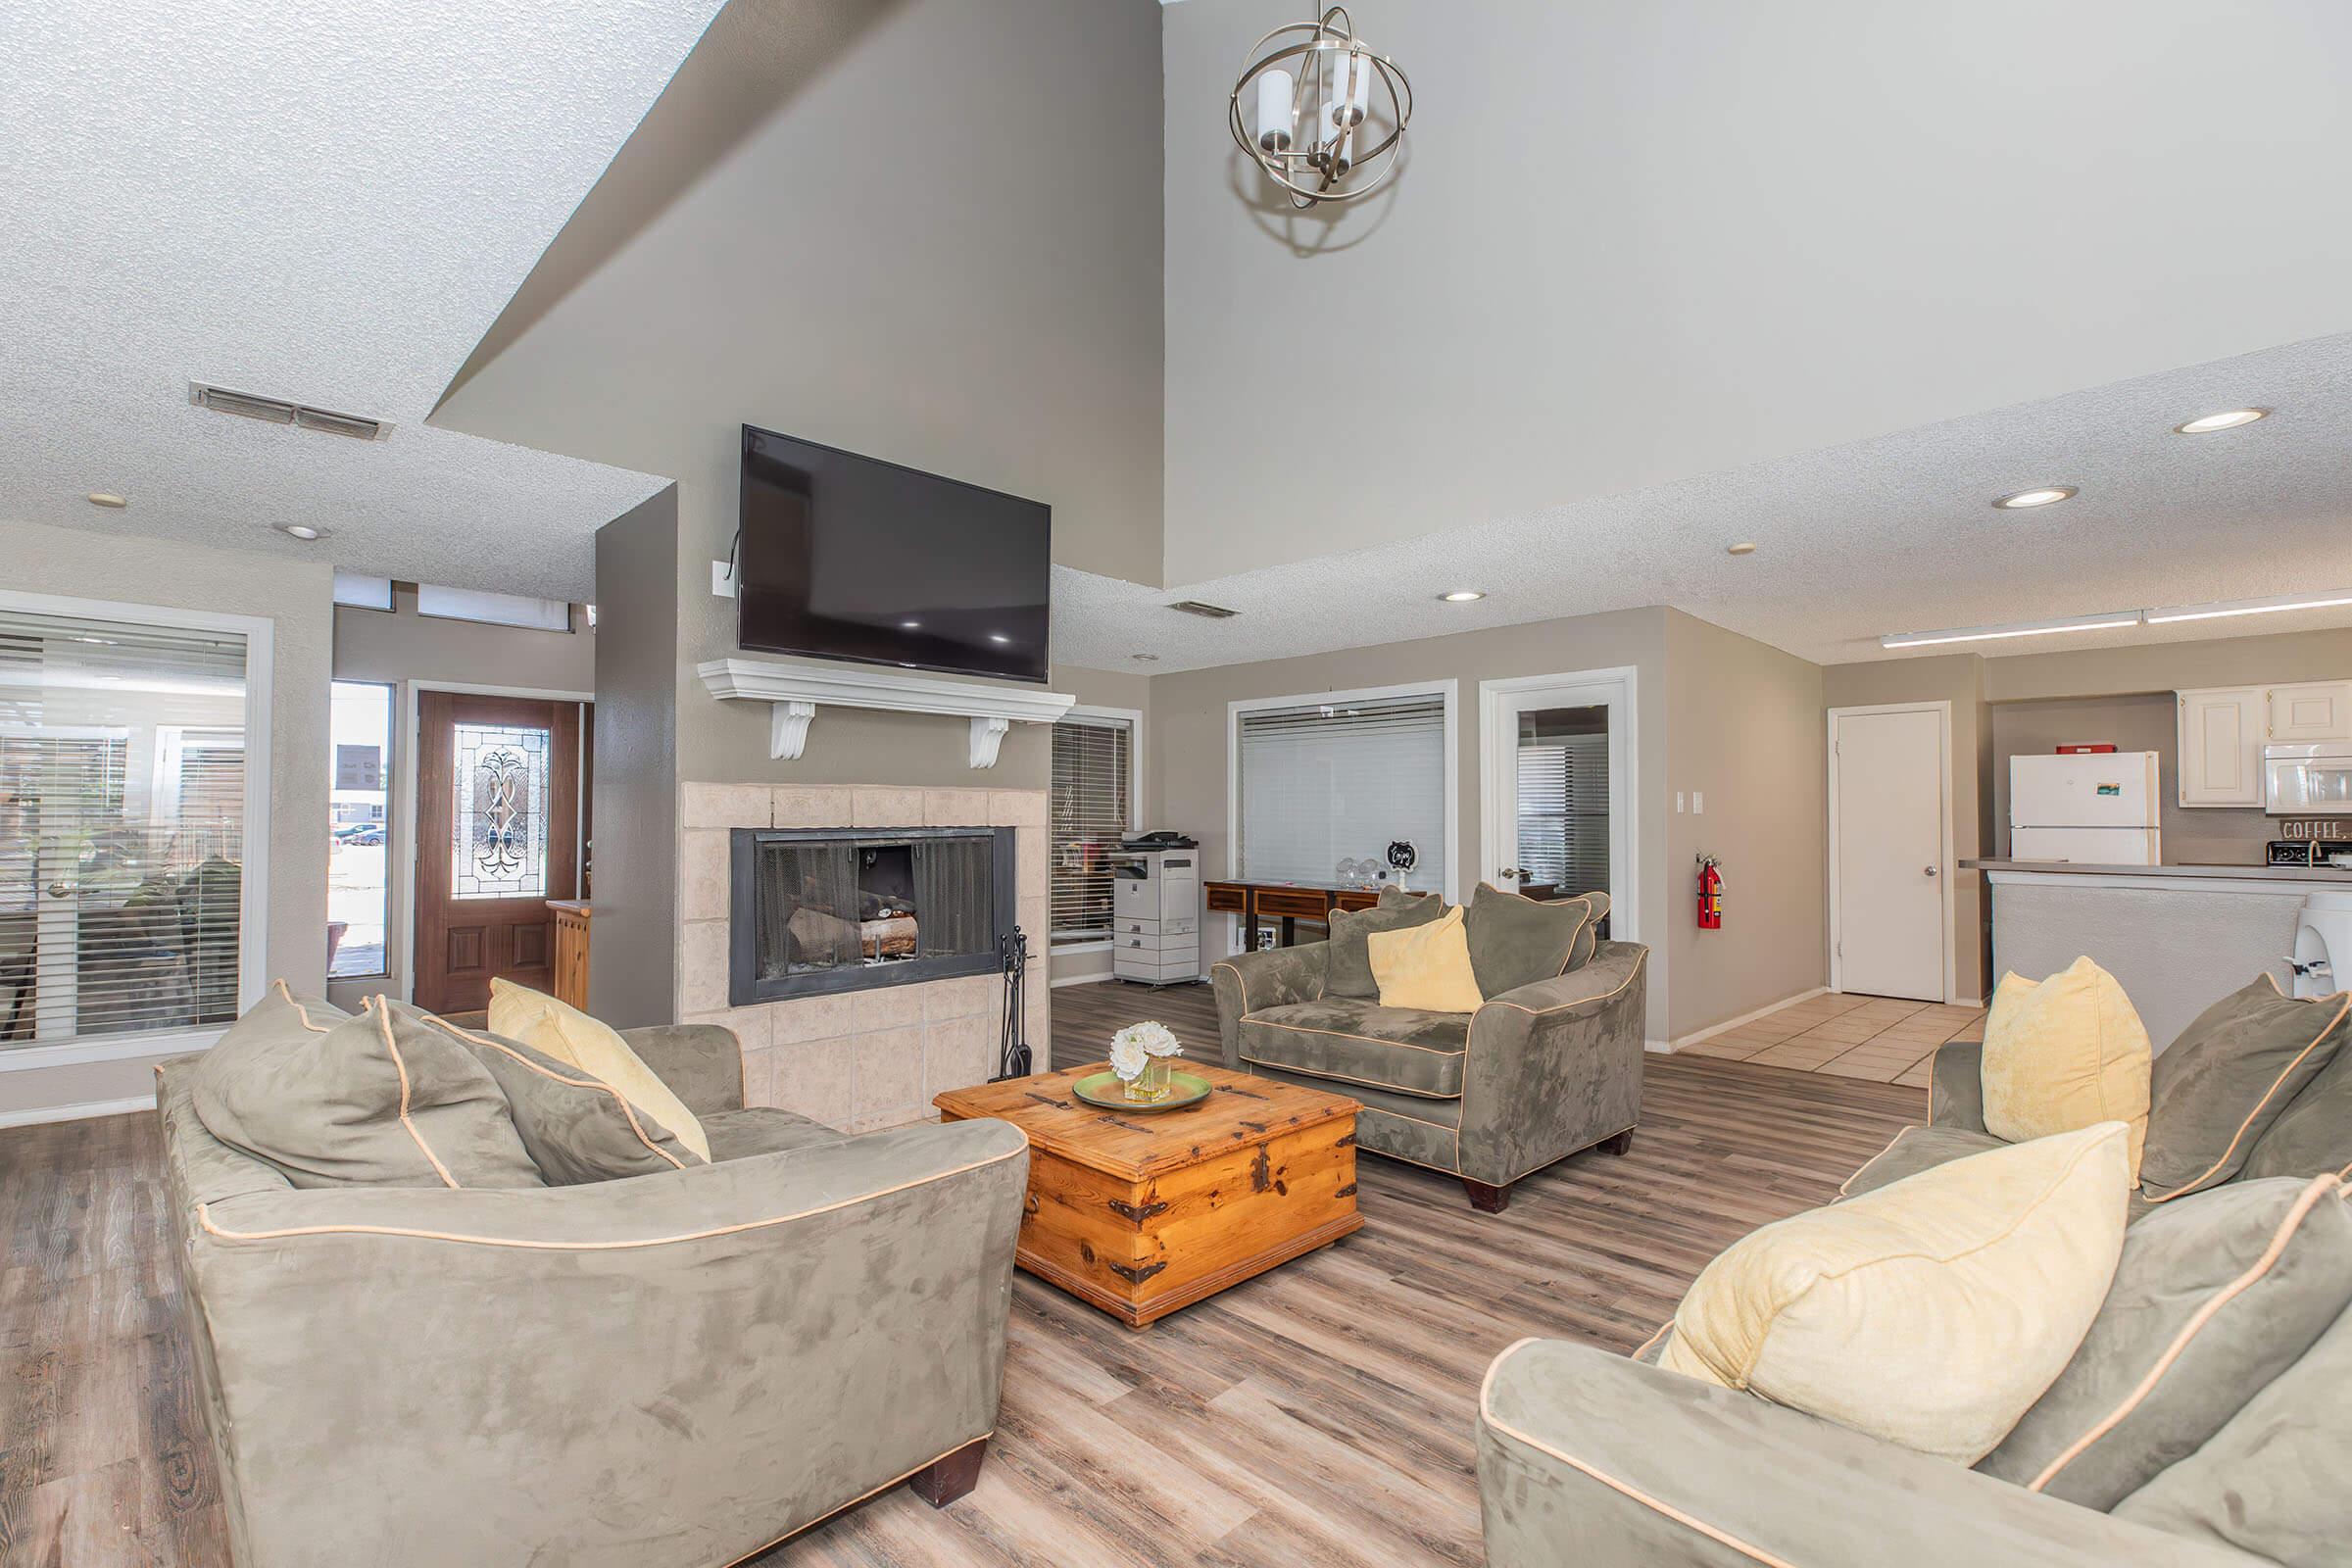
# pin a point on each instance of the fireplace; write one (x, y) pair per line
(819, 910)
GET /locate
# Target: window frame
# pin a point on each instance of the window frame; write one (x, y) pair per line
(1449, 692)
(1101, 717)
(253, 903)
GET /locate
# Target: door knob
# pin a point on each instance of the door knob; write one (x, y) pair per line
(1509, 871)
(59, 890)
(1931, 870)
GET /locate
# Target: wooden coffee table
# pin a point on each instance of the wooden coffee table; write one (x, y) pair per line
(1142, 1213)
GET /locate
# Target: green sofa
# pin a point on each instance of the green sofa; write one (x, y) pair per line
(1539, 1072)
(677, 1368)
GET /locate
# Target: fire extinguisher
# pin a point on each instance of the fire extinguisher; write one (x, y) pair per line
(1710, 894)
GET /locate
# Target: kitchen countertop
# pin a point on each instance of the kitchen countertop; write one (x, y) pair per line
(2267, 873)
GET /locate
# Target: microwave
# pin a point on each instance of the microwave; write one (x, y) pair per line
(2307, 780)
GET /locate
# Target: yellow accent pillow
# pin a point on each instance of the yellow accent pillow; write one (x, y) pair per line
(1426, 966)
(569, 1036)
(2064, 1052)
(1932, 1312)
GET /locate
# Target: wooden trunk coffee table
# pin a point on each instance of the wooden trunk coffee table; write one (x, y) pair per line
(1142, 1213)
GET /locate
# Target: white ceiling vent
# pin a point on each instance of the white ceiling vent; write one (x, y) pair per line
(245, 404)
(1206, 612)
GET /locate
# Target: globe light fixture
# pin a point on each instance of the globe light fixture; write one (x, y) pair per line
(1305, 112)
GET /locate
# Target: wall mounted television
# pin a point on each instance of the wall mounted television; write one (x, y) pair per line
(847, 556)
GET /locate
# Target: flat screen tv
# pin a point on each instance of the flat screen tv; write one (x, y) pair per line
(844, 557)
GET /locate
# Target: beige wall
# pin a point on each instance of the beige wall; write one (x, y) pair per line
(2148, 721)
(1745, 734)
(297, 599)
(2265, 660)
(1190, 729)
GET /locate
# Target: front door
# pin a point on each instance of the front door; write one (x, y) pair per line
(498, 834)
(1887, 833)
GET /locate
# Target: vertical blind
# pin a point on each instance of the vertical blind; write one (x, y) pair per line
(1093, 809)
(122, 789)
(1327, 782)
(1564, 812)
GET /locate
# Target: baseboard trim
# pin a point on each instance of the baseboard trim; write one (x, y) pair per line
(1729, 1024)
(33, 1116)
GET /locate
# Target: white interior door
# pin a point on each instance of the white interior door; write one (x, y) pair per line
(1556, 760)
(1890, 824)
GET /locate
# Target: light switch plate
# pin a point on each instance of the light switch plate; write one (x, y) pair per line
(722, 581)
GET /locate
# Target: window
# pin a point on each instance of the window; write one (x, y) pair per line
(124, 819)
(1340, 779)
(358, 851)
(493, 610)
(1092, 805)
(501, 784)
(1565, 798)
(358, 591)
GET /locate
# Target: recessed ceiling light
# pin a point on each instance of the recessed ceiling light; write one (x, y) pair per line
(998, 637)
(1744, 547)
(2229, 419)
(1462, 596)
(910, 625)
(1144, 659)
(300, 532)
(100, 498)
(2040, 496)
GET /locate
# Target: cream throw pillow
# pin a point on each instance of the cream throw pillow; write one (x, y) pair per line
(1426, 966)
(2064, 1052)
(1932, 1312)
(555, 1029)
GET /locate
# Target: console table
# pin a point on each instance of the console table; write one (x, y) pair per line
(1292, 902)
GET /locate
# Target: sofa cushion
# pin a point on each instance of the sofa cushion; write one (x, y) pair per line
(1516, 941)
(2270, 1482)
(1426, 969)
(1348, 971)
(2227, 1077)
(1931, 1313)
(2062, 1053)
(2213, 1297)
(1589, 938)
(763, 1130)
(1914, 1150)
(2314, 1133)
(1411, 1051)
(373, 1100)
(578, 1128)
(563, 1032)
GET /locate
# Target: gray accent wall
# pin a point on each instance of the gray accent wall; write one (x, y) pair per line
(297, 599)
(634, 930)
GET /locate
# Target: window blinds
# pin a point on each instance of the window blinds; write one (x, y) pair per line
(1093, 774)
(1564, 812)
(1328, 782)
(121, 826)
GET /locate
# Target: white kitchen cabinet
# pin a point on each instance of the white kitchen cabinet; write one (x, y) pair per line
(2315, 711)
(2220, 745)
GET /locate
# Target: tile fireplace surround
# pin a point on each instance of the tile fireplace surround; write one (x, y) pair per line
(859, 1060)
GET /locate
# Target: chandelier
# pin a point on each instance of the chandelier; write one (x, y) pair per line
(1313, 122)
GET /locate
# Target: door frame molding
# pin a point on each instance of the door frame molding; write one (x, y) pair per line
(254, 962)
(403, 924)
(1624, 783)
(1943, 710)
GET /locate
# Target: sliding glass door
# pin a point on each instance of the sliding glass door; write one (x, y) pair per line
(123, 815)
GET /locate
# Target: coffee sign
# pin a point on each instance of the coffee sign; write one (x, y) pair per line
(2332, 829)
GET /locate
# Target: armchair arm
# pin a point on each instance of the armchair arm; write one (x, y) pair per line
(1956, 1086)
(1587, 1458)
(701, 1062)
(720, 1354)
(1555, 1067)
(1252, 981)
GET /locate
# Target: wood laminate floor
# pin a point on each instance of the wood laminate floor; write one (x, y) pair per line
(1319, 1414)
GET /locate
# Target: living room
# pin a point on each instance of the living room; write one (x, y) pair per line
(1169, 783)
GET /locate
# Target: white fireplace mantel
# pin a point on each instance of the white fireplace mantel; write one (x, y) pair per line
(795, 692)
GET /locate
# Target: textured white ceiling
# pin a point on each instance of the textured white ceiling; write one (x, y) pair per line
(1892, 534)
(328, 205)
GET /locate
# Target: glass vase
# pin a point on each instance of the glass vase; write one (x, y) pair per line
(1153, 1087)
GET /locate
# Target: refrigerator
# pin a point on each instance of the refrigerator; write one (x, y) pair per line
(2097, 809)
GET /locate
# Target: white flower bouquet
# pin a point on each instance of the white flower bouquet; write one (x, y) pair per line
(1139, 1055)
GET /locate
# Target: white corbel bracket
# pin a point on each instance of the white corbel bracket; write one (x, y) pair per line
(795, 692)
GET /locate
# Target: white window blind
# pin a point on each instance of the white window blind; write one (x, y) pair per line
(1564, 812)
(1326, 782)
(122, 792)
(1093, 809)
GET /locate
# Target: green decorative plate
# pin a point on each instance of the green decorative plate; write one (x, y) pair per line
(1103, 1088)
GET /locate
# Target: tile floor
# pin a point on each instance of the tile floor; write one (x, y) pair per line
(1884, 1039)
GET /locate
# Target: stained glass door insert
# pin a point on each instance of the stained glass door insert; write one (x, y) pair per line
(501, 780)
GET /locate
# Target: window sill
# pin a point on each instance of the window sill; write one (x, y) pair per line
(107, 1048)
(1089, 944)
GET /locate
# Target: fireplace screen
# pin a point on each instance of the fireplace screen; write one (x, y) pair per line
(819, 912)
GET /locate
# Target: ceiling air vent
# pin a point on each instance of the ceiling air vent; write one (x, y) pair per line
(245, 404)
(1194, 607)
